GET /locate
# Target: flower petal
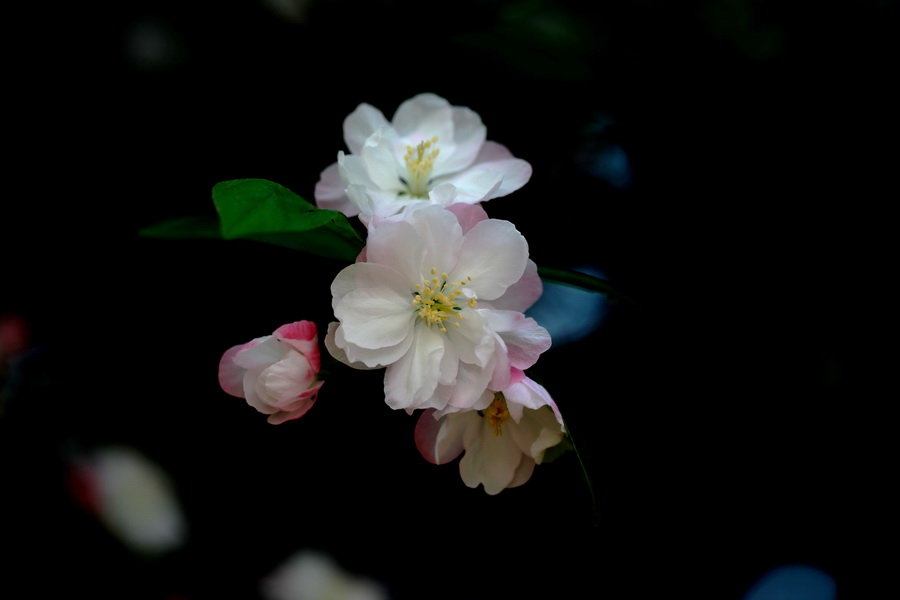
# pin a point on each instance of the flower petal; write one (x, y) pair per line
(489, 460)
(469, 135)
(494, 254)
(302, 336)
(440, 440)
(373, 304)
(377, 155)
(521, 295)
(331, 192)
(523, 472)
(260, 353)
(296, 409)
(338, 353)
(409, 382)
(422, 117)
(286, 379)
(468, 215)
(231, 376)
(360, 124)
(525, 340)
(496, 158)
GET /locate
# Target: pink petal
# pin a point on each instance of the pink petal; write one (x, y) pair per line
(521, 295)
(468, 214)
(303, 337)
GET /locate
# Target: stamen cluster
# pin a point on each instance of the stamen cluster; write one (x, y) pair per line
(435, 299)
(419, 164)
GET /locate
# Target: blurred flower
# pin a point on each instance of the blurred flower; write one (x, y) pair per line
(14, 336)
(15, 339)
(420, 305)
(132, 496)
(502, 443)
(312, 575)
(277, 374)
(429, 151)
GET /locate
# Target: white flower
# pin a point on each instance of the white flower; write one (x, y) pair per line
(502, 443)
(132, 496)
(314, 575)
(420, 305)
(429, 152)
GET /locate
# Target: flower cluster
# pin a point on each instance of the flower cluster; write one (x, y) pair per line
(436, 298)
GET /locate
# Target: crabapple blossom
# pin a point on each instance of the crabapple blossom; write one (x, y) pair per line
(133, 496)
(277, 374)
(310, 574)
(430, 152)
(420, 305)
(502, 443)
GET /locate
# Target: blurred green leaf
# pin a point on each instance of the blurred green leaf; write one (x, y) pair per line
(264, 211)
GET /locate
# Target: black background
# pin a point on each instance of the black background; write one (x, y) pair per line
(734, 421)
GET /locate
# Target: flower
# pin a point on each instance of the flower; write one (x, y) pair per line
(314, 575)
(130, 494)
(277, 374)
(430, 151)
(502, 443)
(437, 300)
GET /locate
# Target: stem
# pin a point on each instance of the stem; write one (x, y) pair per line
(583, 281)
(587, 479)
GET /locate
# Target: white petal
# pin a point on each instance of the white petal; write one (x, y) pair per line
(496, 158)
(471, 187)
(441, 440)
(400, 246)
(263, 352)
(287, 379)
(440, 234)
(371, 358)
(410, 381)
(469, 134)
(360, 124)
(473, 339)
(380, 163)
(331, 192)
(494, 255)
(443, 194)
(523, 472)
(490, 460)
(375, 318)
(470, 387)
(422, 117)
(339, 353)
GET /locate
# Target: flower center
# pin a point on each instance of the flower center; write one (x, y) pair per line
(419, 164)
(497, 414)
(435, 300)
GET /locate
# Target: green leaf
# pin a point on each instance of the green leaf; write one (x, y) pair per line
(583, 281)
(184, 228)
(264, 211)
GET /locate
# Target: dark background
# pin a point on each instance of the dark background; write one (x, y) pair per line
(734, 421)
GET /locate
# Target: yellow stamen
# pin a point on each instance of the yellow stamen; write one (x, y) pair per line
(419, 164)
(435, 300)
(497, 413)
